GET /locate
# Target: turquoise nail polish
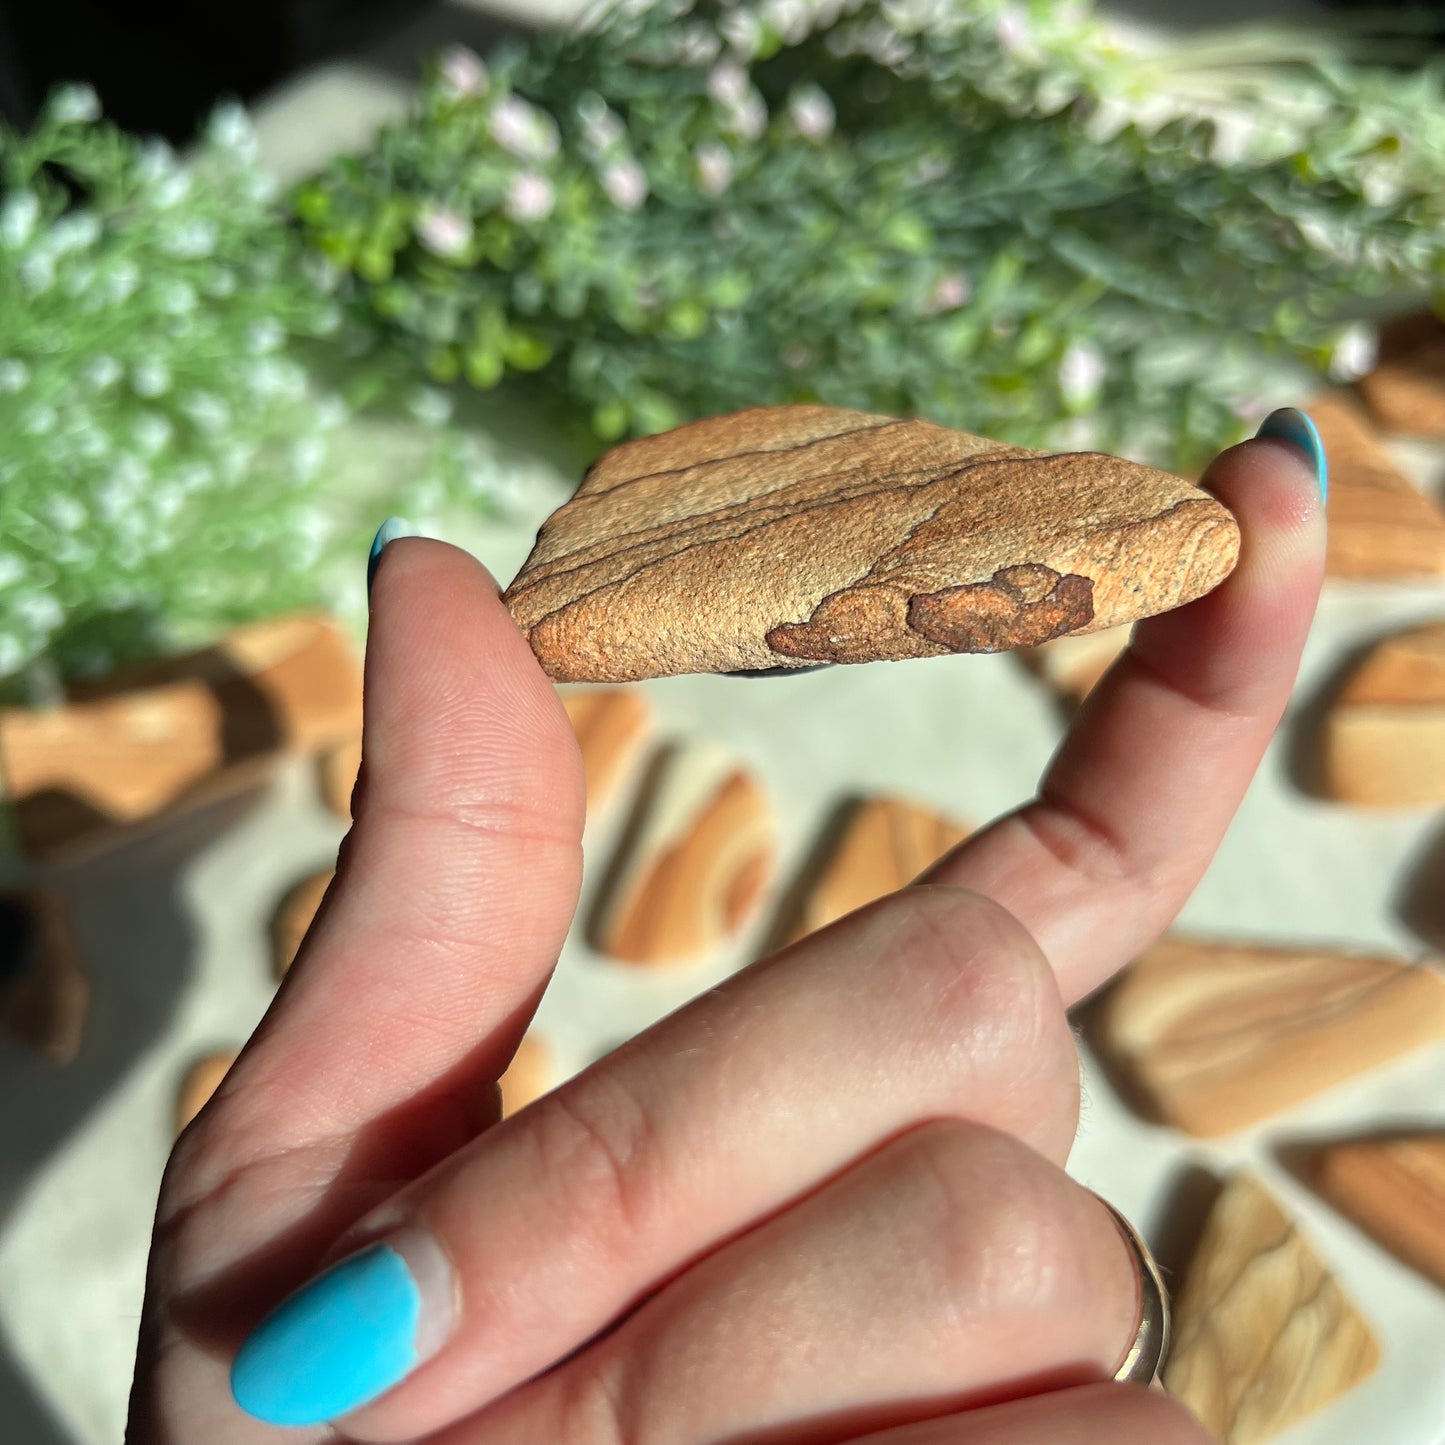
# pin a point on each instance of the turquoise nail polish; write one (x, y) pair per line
(389, 531)
(340, 1341)
(1290, 424)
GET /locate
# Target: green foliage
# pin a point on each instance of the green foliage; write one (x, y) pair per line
(169, 454)
(995, 215)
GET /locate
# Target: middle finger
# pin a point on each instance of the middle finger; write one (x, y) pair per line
(931, 1003)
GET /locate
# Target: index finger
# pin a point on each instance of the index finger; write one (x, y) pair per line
(1140, 794)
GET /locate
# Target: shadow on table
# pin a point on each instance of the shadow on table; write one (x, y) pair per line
(1420, 898)
(136, 944)
(23, 1419)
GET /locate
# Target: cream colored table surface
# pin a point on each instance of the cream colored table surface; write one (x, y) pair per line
(175, 936)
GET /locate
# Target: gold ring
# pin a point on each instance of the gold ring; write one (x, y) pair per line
(1145, 1360)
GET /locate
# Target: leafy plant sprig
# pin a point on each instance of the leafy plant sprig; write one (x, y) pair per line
(1000, 216)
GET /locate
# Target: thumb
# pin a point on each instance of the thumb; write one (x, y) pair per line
(454, 888)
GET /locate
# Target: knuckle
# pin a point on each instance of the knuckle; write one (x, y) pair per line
(595, 1151)
(994, 1003)
(992, 1212)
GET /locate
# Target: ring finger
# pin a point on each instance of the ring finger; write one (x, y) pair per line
(952, 1268)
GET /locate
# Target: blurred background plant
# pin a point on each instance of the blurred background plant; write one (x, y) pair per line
(175, 369)
(1003, 216)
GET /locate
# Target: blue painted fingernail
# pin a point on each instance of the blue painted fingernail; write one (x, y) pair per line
(389, 531)
(1290, 424)
(345, 1338)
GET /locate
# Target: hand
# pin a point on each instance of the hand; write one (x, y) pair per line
(824, 1200)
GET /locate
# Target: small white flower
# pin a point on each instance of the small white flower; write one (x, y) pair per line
(219, 282)
(742, 30)
(1355, 353)
(37, 272)
(530, 197)
(329, 413)
(155, 161)
(176, 298)
(229, 127)
(601, 126)
(124, 484)
(40, 611)
(948, 294)
(74, 105)
(749, 118)
(165, 502)
(524, 130)
(13, 374)
(101, 371)
(206, 410)
(796, 355)
(1012, 31)
(463, 71)
(265, 335)
(792, 19)
(1081, 372)
(12, 569)
(119, 283)
(171, 190)
(190, 241)
(75, 231)
(714, 167)
(443, 231)
(811, 112)
(152, 432)
(12, 653)
(1234, 137)
(66, 512)
(307, 455)
(18, 215)
(430, 405)
(276, 377)
(728, 84)
(39, 421)
(626, 184)
(1381, 185)
(150, 378)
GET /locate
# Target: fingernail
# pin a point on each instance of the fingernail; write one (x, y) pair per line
(389, 531)
(1290, 424)
(349, 1335)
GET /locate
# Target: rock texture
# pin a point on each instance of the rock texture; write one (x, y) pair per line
(294, 917)
(1406, 390)
(794, 535)
(202, 1080)
(1380, 524)
(699, 862)
(531, 1073)
(885, 845)
(1263, 1334)
(337, 768)
(1072, 666)
(139, 744)
(1216, 1037)
(1395, 1190)
(1383, 739)
(611, 724)
(44, 992)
